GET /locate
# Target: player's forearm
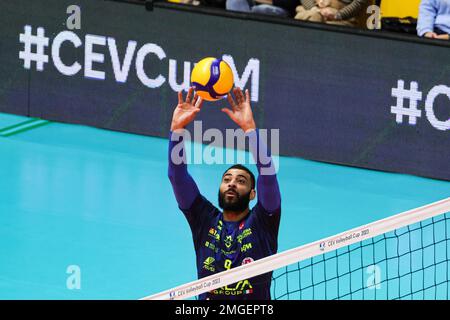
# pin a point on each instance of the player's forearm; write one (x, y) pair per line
(267, 183)
(184, 187)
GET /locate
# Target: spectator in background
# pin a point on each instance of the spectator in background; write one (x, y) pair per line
(434, 19)
(213, 3)
(339, 12)
(283, 8)
(205, 3)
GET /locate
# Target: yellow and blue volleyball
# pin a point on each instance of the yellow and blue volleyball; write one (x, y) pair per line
(212, 78)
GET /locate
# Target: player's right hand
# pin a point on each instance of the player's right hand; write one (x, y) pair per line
(186, 110)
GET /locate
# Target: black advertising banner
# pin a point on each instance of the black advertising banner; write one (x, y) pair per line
(14, 80)
(352, 98)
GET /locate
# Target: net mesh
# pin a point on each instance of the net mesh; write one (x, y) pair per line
(404, 256)
(407, 263)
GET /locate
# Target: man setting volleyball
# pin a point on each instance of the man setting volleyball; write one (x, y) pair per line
(237, 235)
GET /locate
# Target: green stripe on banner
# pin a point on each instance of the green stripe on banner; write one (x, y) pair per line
(18, 125)
(25, 127)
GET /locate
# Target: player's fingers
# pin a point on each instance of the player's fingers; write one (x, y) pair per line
(193, 114)
(194, 101)
(247, 96)
(189, 95)
(231, 101)
(236, 94)
(228, 112)
(199, 103)
(240, 96)
(180, 97)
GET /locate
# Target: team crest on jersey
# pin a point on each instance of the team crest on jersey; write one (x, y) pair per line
(241, 226)
(247, 260)
(228, 241)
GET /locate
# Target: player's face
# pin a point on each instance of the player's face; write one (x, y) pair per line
(235, 190)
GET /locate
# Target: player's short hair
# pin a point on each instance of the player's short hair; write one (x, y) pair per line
(241, 167)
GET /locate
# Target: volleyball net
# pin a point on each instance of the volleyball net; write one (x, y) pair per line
(404, 256)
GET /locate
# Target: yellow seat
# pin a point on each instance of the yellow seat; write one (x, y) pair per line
(400, 8)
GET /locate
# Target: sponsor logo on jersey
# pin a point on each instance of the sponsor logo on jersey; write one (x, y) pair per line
(228, 241)
(213, 233)
(208, 264)
(246, 247)
(247, 232)
(211, 246)
(241, 288)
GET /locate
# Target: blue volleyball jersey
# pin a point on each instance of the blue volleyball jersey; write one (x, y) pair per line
(222, 245)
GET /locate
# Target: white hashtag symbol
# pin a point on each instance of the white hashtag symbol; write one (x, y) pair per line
(41, 41)
(413, 95)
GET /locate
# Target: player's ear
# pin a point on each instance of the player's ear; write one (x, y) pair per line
(252, 194)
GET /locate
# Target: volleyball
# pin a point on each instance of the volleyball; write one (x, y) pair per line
(212, 78)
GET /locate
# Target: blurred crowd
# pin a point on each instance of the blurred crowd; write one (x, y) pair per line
(433, 20)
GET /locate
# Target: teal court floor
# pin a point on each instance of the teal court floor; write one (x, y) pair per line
(72, 195)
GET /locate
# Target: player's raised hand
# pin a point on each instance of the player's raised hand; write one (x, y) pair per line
(241, 111)
(186, 110)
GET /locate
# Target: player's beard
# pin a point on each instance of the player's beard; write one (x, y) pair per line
(239, 204)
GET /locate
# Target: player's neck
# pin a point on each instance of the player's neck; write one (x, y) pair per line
(233, 216)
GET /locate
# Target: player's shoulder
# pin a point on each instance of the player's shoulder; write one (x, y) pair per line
(259, 209)
(202, 204)
(268, 220)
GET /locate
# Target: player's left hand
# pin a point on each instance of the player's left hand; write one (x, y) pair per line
(241, 111)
